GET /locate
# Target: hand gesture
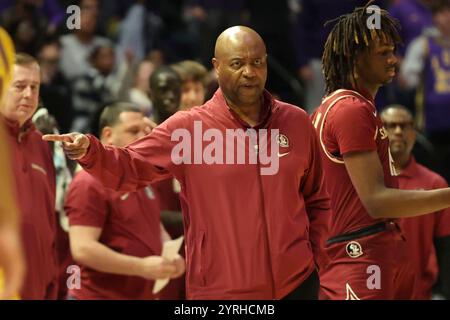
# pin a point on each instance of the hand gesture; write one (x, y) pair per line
(75, 145)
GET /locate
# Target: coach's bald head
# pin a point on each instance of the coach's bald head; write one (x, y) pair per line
(235, 37)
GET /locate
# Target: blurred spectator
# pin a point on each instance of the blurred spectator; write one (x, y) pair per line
(77, 46)
(29, 21)
(208, 18)
(178, 40)
(95, 88)
(427, 67)
(135, 85)
(165, 89)
(414, 16)
(55, 89)
(50, 9)
(194, 81)
(140, 92)
(139, 32)
(34, 174)
(111, 15)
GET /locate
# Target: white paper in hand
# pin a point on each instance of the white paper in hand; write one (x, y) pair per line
(169, 251)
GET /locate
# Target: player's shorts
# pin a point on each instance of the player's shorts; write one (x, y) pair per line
(372, 263)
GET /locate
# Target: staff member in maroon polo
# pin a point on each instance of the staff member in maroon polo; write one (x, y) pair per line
(427, 237)
(117, 236)
(35, 179)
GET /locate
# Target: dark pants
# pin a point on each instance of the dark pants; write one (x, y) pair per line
(307, 290)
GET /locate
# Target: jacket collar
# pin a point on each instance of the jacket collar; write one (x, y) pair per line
(15, 130)
(410, 169)
(267, 109)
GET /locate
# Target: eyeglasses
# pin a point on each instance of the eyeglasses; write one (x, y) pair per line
(391, 126)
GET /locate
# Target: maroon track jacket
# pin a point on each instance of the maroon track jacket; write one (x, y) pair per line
(35, 179)
(248, 235)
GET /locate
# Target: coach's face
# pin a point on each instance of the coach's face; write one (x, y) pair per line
(22, 96)
(241, 65)
(400, 128)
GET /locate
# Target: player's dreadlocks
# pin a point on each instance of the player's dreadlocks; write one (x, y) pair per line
(349, 36)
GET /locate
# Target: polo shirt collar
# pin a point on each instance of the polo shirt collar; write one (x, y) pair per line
(410, 169)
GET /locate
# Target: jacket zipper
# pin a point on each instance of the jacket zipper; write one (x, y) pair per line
(266, 237)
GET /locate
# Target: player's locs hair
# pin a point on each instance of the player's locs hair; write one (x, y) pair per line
(350, 36)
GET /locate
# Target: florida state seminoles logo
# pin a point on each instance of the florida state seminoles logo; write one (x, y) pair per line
(283, 141)
(354, 249)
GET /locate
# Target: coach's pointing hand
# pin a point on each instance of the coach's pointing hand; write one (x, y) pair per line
(75, 144)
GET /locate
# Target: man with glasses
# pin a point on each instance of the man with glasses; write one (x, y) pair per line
(428, 236)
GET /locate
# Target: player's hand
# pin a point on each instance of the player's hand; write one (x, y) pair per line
(157, 267)
(12, 262)
(180, 265)
(75, 145)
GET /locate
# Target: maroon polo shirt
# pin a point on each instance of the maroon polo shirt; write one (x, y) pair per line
(421, 231)
(130, 225)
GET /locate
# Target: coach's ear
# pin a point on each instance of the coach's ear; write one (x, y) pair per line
(106, 135)
(216, 63)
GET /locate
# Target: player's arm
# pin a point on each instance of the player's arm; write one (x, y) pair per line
(87, 250)
(366, 173)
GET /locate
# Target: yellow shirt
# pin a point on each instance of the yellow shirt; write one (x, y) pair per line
(8, 205)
